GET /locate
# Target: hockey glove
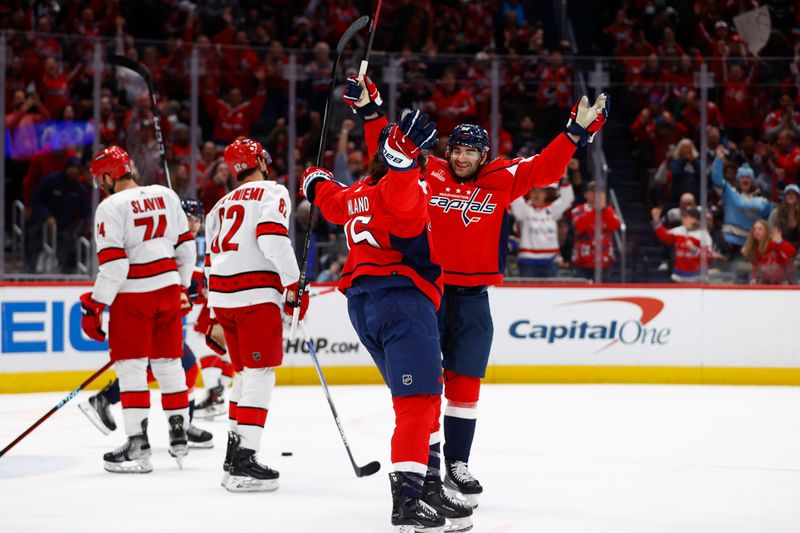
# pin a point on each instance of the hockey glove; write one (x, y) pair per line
(92, 317)
(289, 304)
(186, 301)
(215, 338)
(362, 96)
(415, 132)
(585, 121)
(311, 177)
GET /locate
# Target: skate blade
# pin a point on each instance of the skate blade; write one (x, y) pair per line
(87, 409)
(469, 499)
(458, 524)
(248, 484)
(418, 529)
(225, 477)
(207, 444)
(139, 466)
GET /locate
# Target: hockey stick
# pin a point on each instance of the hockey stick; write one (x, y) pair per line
(70, 396)
(354, 28)
(362, 69)
(141, 70)
(361, 471)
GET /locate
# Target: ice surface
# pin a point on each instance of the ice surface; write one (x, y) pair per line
(557, 458)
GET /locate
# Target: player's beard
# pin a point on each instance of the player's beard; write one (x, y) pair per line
(377, 169)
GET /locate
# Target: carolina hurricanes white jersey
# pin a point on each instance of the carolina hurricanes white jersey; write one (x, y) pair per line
(249, 257)
(143, 242)
(539, 225)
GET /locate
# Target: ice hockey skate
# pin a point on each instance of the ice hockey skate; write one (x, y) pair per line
(458, 479)
(410, 515)
(98, 411)
(458, 513)
(133, 457)
(213, 406)
(178, 439)
(199, 438)
(246, 474)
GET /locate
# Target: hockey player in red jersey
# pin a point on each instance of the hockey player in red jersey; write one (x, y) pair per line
(250, 265)
(470, 195)
(393, 284)
(146, 255)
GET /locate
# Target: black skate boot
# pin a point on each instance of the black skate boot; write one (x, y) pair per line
(410, 515)
(248, 475)
(199, 438)
(233, 443)
(457, 513)
(136, 453)
(98, 411)
(458, 478)
(178, 440)
(213, 405)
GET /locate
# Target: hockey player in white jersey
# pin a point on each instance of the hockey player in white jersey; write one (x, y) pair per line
(251, 270)
(146, 255)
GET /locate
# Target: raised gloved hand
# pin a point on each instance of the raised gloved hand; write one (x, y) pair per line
(289, 303)
(362, 96)
(401, 143)
(585, 121)
(92, 317)
(311, 177)
(215, 338)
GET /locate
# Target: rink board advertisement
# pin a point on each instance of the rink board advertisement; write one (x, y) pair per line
(642, 333)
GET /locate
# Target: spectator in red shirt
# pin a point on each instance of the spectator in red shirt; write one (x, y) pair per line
(770, 255)
(583, 220)
(785, 117)
(110, 123)
(669, 50)
(658, 134)
(55, 85)
(737, 101)
(690, 116)
(452, 106)
(217, 183)
(786, 157)
(208, 154)
(234, 117)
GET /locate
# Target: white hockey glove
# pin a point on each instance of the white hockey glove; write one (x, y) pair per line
(585, 121)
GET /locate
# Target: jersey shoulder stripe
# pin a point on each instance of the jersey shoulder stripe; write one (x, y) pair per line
(271, 228)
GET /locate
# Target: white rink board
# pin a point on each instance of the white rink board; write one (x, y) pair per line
(589, 326)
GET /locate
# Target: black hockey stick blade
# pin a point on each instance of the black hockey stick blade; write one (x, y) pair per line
(368, 469)
(128, 63)
(354, 28)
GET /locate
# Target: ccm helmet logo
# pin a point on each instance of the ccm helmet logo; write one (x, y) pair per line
(238, 167)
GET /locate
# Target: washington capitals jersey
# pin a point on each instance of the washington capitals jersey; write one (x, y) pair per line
(387, 227)
(249, 257)
(143, 242)
(470, 219)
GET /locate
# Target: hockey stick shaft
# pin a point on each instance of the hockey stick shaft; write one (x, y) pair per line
(142, 71)
(362, 69)
(366, 470)
(354, 28)
(56, 408)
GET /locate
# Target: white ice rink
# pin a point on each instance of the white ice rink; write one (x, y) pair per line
(551, 458)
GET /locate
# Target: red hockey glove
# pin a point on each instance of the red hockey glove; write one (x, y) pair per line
(92, 317)
(362, 96)
(311, 177)
(585, 121)
(405, 140)
(289, 304)
(186, 301)
(215, 338)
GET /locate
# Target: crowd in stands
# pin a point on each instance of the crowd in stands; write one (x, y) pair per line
(752, 128)
(243, 54)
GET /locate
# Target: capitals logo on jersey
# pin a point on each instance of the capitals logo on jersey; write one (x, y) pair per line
(465, 200)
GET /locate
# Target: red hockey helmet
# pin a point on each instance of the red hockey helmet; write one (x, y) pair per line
(113, 161)
(243, 153)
